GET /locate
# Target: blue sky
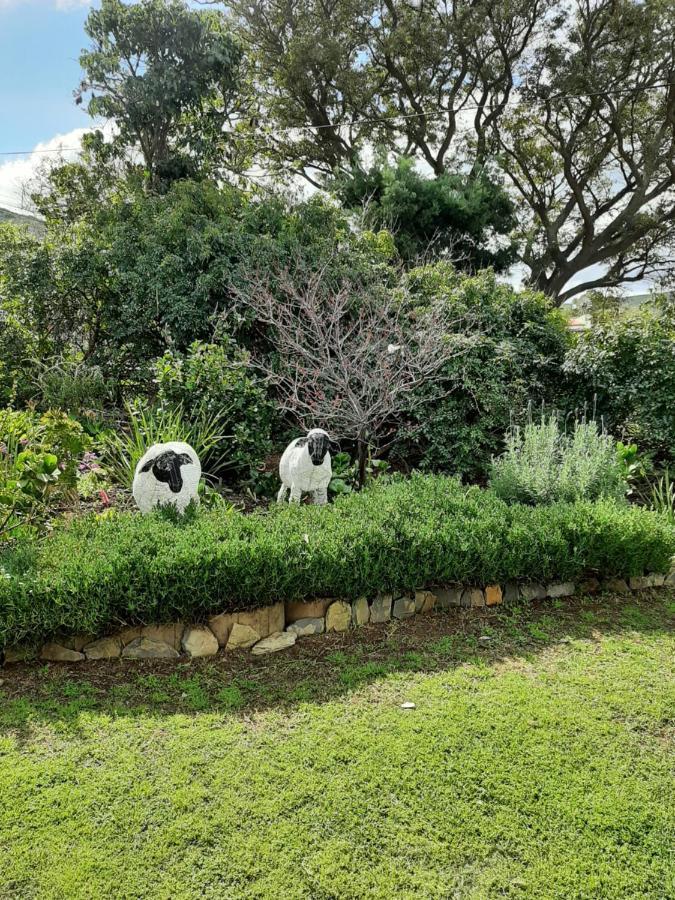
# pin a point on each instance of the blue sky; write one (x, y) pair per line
(40, 42)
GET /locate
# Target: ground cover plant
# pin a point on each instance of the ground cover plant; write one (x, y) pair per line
(537, 763)
(410, 533)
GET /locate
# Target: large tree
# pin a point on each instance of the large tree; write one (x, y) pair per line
(167, 76)
(575, 100)
(590, 148)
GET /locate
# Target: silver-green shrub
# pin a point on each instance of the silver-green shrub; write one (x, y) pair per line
(544, 464)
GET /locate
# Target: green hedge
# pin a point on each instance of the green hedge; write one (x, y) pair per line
(425, 531)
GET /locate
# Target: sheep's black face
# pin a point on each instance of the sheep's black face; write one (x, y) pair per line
(318, 445)
(166, 468)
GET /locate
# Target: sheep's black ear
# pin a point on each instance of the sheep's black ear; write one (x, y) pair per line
(148, 465)
(185, 459)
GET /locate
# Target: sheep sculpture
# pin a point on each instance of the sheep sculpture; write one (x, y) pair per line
(167, 474)
(305, 467)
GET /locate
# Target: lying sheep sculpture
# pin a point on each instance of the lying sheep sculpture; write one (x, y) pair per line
(167, 474)
(305, 467)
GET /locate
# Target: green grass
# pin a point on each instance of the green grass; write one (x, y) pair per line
(539, 763)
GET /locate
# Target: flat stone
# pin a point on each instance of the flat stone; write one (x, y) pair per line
(198, 640)
(338, 616)
(560, 589)
(616, 585)
(403, 608)
(18, 654)
(277, 618)
(511, 592)
(305, 627)
(242, 636)
(221, 626)
(168, 634)
(493, 595)
(75, 641)
(144, 648)
(257, 619)
(280, 640)
(129, 633)
(447, 597)
(58, 653)
(424, 601)
(589, 586)
(313, 609)
(532, 591)
(105, 648)
(646, 581)
(380, 609)
(473, 597)
(360, 612)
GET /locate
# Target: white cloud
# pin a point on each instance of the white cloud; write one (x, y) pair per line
(64, 5)
(16, 173)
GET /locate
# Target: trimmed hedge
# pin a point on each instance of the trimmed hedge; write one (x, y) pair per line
(427, 530)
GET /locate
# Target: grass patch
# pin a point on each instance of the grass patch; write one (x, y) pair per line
(538, 763)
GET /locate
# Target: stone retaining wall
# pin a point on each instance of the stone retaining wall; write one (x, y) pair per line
(277, 627)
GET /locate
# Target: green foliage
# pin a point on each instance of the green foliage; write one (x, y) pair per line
(145, 425)
(663, 496)
(514, 359)
(542, 464)
(38, 461)
(218, 380)
(74, 386)
(407, 534)
(168, 76)
(629, 367)
(450, 215)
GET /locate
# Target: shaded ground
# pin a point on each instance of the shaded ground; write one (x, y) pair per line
(539, 762)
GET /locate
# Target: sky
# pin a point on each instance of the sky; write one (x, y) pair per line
(40, 43)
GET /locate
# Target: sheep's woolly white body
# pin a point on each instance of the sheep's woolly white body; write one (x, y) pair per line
(179, 471)
(300, 475)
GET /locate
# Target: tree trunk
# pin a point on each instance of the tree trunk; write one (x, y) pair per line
(363, 461)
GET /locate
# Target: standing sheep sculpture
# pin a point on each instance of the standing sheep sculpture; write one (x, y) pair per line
(167, 473)
(305, 467)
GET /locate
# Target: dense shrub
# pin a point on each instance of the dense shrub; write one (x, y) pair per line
(219, 380)
(543, 463)
(628, 367)
(514, 359)
(99, 572)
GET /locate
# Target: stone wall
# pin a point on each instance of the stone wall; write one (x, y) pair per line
(277, 627)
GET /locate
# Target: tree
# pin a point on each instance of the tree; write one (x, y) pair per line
(349, 358)
(332, 75)
(467, 219)
(590, 148)
(575, 101)
(167, 76)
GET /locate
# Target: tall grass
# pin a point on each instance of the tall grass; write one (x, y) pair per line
(145, 426)
(663, 496)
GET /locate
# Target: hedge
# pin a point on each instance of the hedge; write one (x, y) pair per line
(99, 572)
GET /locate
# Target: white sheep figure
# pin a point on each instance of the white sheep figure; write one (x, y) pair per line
(167, 473)
(305, 467)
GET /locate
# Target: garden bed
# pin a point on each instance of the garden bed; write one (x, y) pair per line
(99, 573)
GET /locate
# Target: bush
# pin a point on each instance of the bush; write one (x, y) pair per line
(218, 379)
(542, 464)
(99, 572)
(628, 367)
(38, 463)
(515, 358)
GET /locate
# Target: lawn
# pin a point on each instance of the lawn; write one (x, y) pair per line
(538, 762)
